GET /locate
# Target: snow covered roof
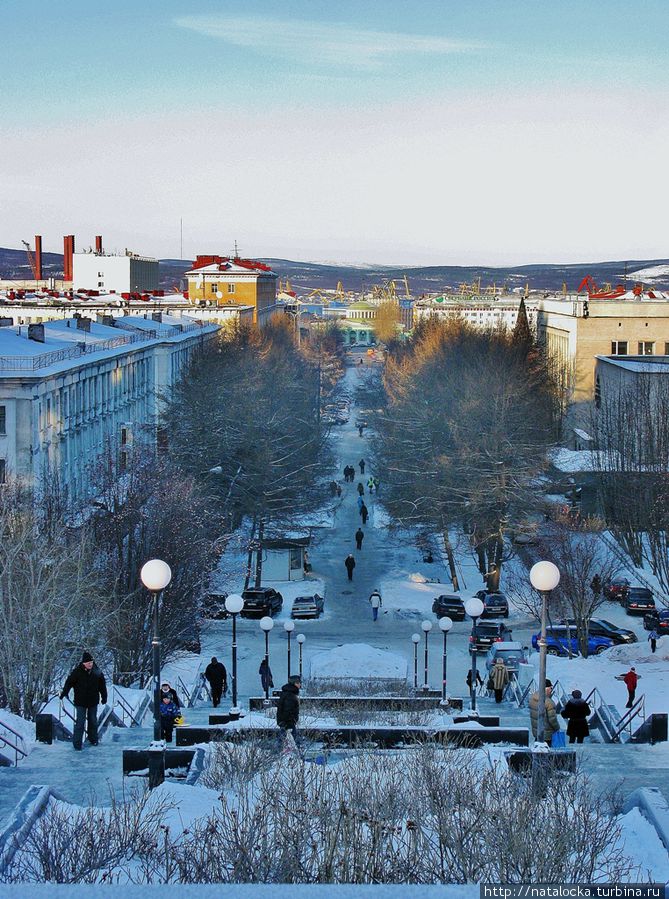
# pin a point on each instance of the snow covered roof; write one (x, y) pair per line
(213, 265)
(656, 365)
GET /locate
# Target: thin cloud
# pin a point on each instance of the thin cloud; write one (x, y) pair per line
(324, 43)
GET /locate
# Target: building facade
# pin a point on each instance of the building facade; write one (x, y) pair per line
(219, 280)
(127, 273)
(70, 390)
(478, 312)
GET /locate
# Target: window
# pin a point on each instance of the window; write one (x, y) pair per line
(3, 471)
(646, 348)
(124, 436)
(101, 283)
(231, 288)
(666, 349)
(618, 347)
(123, 461)
(3, 419)
(101, 274)
(214, 288)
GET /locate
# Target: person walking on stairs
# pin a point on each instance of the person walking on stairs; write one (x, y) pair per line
(90, 688)
(375, 602)
(359, 537)
(576, 713)
(500, 678)
(349, 562)
(217, 676)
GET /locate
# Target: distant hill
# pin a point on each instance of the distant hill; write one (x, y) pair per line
(308, 276)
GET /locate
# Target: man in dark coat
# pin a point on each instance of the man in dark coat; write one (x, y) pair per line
(360, 489)
(361, 463)
(576, 713)
(364, 513)
(359, 537)
(288, 709)
(218, 679)
(90, 688)
(349, 561)
(266, 678)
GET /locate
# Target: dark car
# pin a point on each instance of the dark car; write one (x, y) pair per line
(213, 606)
(496, 604)
(559, 641)
(657, 620)
(261, 601)
(449, 605)
(307, 606)
(638, 600)
(598, 627)
(616, 588)
(487, 633)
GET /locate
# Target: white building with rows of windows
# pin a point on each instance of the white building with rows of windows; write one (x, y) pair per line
(70, 389)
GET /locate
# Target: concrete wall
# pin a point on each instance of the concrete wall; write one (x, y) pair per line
(123, 274)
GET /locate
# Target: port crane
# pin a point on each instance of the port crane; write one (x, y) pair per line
(31, 258)
(595, 293)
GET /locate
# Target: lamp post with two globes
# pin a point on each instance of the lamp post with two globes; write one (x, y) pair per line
(156, 575)
(266, 625)
(445, 624)
(233, 606)
(474, 608)
(426, 625)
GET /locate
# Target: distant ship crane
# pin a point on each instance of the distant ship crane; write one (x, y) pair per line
(31, 258)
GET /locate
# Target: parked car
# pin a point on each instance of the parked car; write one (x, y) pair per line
(261, 601)
(496, 604)
(487, 633)
(638, 600)
(449, 604)
(512, 653)
(558, 640)
(600, 628)
(213, 606)
(308, 606)
(658, 620)
(616, 588)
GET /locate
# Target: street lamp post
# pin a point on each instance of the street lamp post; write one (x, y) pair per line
(474, 608)
(300, 640)
(445, 624)
(427, 627)
(544, 577)
(289, 627)
(233, 606)
(266, 624)
(415, 638)
(156, 575)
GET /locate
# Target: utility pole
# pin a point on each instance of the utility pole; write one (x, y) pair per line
(181, 237)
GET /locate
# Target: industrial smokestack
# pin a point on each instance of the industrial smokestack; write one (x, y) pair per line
(68, 252)
(38, 257)
(98, 244)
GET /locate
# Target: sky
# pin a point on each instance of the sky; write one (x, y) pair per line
(493, 132)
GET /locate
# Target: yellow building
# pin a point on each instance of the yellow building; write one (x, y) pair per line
(577, 329)
(220, 281)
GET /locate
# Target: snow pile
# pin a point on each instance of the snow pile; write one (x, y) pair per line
(413, 593)
(354, 661)
(26, 730)
(640, 841)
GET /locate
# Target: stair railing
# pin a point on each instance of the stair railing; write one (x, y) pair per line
(600, 707)
(625, 723)
(126, 710)
(6, 741)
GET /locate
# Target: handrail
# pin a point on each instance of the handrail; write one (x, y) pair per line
(639, 708)
(532, 687)
(125, 708)
(6, 742)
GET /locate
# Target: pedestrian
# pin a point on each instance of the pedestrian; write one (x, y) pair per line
(360, 536)
(551, 723)
(288, 710)
(360, 489)
(631, 679)
(166, 689)
(169, 712)
(218, 680)
(596, 586)
(576, 713)
(306, 564)
(266, 679)
(360, 426)
(349, 562)
(333, 487)
(338, 491)
(375, 602)
(361, 503)
(376, 485)
(364, 513)
(90, 688)
(500, 678)
(346, 473)
(479, 680)
(652, 638)
(370, 485)
(361, 463)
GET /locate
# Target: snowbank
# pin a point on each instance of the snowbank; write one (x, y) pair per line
(413, 593)
(640, 841)
(25, 729)
(356, 661)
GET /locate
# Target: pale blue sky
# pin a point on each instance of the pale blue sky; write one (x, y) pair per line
(386, 131)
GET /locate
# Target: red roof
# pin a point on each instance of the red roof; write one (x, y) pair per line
(223, 261)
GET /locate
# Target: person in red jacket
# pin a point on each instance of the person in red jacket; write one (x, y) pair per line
(631, 679)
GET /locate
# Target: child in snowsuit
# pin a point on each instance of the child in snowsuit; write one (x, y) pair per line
(168, 712)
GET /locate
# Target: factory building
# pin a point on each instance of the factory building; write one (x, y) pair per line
(108, 272)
